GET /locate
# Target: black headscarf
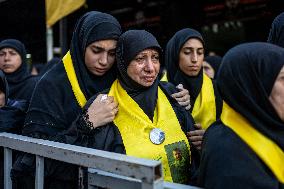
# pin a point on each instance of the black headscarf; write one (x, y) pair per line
(129, 45)
(276, 35)
(245, 80)
(91, 27)
(215, 62)
(21, 82)
(174, 74)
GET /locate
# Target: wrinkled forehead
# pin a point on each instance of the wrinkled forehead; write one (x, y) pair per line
(149, 51)
(8, 49)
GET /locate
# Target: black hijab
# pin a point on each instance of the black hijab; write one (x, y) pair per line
(276, 35)
(21, 82)
(130, 44)
(245, 80)
(91, 27)
(174, 74)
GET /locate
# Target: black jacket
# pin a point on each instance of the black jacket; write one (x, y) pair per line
(228, 162)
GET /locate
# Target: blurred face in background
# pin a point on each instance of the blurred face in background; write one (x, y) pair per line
(100, 56)
(276, 96)
(2, 99)
(191, 57)
(10, 60)
(209, 71)
(145, 67)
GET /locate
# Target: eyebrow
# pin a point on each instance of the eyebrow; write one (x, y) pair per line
(190, 48)
(101, 48)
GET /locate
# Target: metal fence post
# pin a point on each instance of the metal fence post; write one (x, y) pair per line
(39, 179)
(7, 168)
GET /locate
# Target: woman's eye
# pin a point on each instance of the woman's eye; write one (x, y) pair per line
(155, 58)
(111, 53)
(139, 59)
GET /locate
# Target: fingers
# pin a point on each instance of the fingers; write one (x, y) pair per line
(99, 97)
(184, 103)
(195, 138)
(109, 99)
(197, 126)
(114, 111)
(196, 133)
(179, 86)
(188, 106)
(181, 94)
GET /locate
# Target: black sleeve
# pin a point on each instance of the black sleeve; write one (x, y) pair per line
(53, 107)
(227, 162)
(12, 119)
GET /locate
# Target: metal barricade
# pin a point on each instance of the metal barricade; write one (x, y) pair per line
(105, 169)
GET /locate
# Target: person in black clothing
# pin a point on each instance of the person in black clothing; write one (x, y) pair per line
(62, 92)
(12, 116)
(57, 100)
(184, 57)
(14, 65)
(276, 34)
(146, 108)
(245, 148)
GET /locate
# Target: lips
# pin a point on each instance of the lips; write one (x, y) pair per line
(100, 70)
(194, 68)
(6, 66)
(149, 78)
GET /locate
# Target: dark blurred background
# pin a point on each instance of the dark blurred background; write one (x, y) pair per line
(223, 23)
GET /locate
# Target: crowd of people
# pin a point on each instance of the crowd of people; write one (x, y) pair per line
(213, 122)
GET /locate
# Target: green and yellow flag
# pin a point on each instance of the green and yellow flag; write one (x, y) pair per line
(57, 9)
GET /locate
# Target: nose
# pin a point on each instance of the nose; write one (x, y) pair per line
(103, 59)
(149, 67)
(194, 57)
(6, 56)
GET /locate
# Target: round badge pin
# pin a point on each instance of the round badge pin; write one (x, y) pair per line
(157, 136)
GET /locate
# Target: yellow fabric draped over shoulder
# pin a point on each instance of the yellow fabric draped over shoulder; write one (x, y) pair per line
(164, 77)
(135, 127)
(267, 150)
(69, 68)
(204, 109)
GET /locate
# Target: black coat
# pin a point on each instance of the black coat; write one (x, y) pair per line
(245, 80)
(228, 162)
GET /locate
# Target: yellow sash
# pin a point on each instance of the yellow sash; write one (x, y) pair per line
(164, 77)
(204, 109)
(268, 151)
(135, 127)
(68, 65)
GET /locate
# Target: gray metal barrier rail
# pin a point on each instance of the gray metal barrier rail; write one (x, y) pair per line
(106, 169)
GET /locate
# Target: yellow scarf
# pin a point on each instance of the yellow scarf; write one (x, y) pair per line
(69, 68)
(135, 127)
(204, 109)
(164, 77)
(268, 151)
